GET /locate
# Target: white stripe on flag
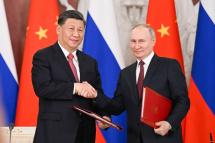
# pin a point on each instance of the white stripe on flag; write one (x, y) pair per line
(209, 6)
(103, 15)
(5, 43)
(83, 7)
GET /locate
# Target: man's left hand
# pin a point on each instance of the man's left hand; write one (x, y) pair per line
(163, 128)
(103, 125)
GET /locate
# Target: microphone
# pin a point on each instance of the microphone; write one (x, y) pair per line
(11, 126)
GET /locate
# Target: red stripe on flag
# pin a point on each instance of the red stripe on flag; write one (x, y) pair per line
(200, 120)
(99, 136)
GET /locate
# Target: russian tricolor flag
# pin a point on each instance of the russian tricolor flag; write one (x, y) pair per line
(200, 121)
(102, 42)
(8, 75)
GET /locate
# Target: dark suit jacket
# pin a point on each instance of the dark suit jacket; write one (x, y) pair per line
(163, 75)
(53, 83)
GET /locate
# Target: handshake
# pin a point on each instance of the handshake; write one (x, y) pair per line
(85, 90)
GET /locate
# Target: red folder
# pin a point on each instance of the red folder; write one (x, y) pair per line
(155, 108)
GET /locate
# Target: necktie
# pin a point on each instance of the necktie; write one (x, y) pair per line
(72, 66)
(140, 79)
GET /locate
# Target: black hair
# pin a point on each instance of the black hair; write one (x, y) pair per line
(70, 14)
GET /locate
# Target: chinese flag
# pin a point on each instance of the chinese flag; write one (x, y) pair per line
(41, 32)
(162, 17)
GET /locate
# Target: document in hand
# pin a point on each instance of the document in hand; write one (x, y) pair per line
(97, 117)
(156, 107)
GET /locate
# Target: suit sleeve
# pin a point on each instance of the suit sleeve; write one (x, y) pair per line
(44, 85)
(113, 105)
(97, 85)
(179, 94)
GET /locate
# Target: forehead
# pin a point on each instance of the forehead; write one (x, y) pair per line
(140, 31)
(74, 22)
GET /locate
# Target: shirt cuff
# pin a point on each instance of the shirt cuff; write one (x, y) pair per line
(74, 89)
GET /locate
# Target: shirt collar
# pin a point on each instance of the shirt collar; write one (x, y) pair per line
(66, 53)
(148, 59)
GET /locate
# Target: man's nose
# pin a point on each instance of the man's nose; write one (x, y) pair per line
(136, 45)
(75, 33)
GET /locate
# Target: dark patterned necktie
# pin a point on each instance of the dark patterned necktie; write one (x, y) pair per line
(140, 79)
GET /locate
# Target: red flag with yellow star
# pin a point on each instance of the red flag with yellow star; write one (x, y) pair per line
(41, 32)
(162, 17)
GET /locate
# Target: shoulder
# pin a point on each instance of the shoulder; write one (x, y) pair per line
(168, 61)
(129, 69)
(171, 65)
(46, 51)
(85, 56)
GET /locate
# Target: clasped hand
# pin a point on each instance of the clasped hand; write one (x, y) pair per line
(85, 90)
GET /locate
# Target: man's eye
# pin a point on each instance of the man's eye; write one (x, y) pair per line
(141, 41)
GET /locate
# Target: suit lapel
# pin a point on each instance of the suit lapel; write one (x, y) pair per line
(151, 69)
(63, 63)
(132, 77)
(81, 64)
(133, 84)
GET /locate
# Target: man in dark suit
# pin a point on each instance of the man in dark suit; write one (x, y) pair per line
(63, 76)
(162, 75)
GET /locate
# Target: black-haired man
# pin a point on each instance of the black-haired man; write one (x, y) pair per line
(63, 76)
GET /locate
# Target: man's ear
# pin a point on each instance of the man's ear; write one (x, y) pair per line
(58, 29)
(154, 41)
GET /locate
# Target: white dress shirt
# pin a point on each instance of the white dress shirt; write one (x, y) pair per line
(147, 61)
(75, 59)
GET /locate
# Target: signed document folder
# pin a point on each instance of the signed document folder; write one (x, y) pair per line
(97, 117)
(156, 107)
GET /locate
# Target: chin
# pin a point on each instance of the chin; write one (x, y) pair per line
(139, 56)
(73, 45)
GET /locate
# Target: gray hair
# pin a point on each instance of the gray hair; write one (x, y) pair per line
(147, 26)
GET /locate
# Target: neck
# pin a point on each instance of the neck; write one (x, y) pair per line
(69, 49)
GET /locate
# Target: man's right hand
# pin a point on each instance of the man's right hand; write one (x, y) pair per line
(85, 90)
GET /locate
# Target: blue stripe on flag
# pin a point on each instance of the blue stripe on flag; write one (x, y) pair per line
(96, 46)
(203, 70)
(9, 89)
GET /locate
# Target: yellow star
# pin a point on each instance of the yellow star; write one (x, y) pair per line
(163, 30)
(41, 33)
